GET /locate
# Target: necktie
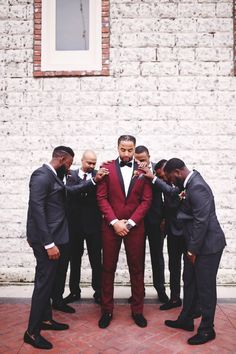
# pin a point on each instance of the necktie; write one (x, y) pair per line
(122, 164)
(85, 176)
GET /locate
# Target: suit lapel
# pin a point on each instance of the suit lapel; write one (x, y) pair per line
(54, 175)
(133, 179)
(120, 175)
(190, 179)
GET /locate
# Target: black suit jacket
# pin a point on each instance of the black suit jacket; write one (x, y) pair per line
(156, 211)
(46, 220)
(171, 205)
(201, 227)
(83, 213)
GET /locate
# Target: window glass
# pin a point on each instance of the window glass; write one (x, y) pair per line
(72, 24)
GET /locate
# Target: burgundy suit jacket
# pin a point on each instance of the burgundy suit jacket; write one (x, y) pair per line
(113, 202)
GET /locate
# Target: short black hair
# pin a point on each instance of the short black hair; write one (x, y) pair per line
(140, 149)
(127, 138)
(160, 164)
(174, 164)
(62, 150)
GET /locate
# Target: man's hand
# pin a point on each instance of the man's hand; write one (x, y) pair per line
(120, 228)
(53, 253)
(147, 172)
(191, 257)
(102, 172)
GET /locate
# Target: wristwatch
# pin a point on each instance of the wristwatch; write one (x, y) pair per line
(129, 226)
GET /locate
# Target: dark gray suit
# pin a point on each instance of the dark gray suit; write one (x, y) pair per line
(175, 237)
(204, 238)
(84, 219)
(46, 223)
(152, 222)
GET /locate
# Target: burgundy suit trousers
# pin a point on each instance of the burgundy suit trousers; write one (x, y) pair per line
(134, 247)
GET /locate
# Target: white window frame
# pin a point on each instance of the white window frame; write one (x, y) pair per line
(76, 60)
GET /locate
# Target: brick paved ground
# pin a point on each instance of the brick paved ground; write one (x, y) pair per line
(122, 336)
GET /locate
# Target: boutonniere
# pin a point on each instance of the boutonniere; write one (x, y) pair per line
(137, 174)
(182, 195)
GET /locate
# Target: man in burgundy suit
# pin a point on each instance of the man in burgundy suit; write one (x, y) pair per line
(124, 197)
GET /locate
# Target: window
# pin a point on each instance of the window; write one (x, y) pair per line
(71, 37)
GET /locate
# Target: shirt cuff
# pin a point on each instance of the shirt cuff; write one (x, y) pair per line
(94, 183)
(49, 246)
(131, 222)
(113, 222)
(154, 179)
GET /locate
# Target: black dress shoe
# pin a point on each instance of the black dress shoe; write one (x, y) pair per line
(187, 326)
(54, 326)
(162, 297)
(97, 297)
(37, 341)
(72, 298)
(63, 308)
(196, 314)
(105, 320)
(171, 304)
(201, 338)
(139, 319)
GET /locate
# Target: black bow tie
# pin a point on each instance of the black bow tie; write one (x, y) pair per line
(122, 164)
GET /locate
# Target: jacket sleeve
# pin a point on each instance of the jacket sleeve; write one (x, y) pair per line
(80, 187)
(40, 188)
(165, 187)
(201, 202)
(145, 204)
(103, 202)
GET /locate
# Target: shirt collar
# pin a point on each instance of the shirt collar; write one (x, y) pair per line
(51, 168)
(187, 178)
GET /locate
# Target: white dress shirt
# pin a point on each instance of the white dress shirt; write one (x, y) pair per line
(187, 178)
(81, 174)
(127, 173)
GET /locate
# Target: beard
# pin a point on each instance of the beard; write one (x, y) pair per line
(90, 170)
(179, 183)
(61, 172)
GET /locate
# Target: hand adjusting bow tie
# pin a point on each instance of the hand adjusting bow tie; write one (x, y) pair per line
(122, 164)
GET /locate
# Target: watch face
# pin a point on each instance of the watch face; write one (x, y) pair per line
(129, 226)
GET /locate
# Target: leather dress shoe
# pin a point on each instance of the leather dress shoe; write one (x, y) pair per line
(201, 338)
(54, 326)
(105, 320)
(162, 297)
(171, 304)
(139, 319)
(72, 298)
(37, 341)
(187, 326)
(63, 308)
(97, 297)
(196, 314)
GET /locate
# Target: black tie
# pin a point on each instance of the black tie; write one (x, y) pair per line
(85, 176)
(122, 164)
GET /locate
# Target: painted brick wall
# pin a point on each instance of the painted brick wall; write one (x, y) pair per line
(171, 85)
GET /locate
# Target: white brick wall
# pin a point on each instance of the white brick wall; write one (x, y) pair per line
(171, 86)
